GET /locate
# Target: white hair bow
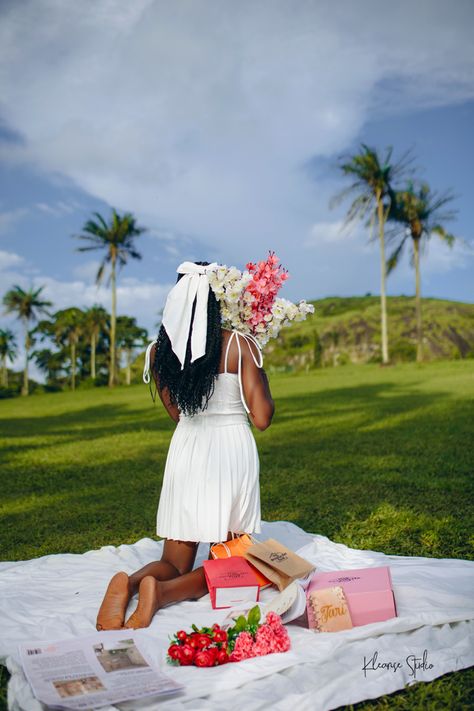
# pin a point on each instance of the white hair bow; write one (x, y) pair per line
(178, 310)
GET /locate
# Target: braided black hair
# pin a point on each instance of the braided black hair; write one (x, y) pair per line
(191, 387)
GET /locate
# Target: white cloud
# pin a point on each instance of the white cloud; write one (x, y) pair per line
(9, 259)
(331, 233)
(57, 209)
(202, 118)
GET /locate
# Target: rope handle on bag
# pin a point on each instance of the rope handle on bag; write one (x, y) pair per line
(226, 547)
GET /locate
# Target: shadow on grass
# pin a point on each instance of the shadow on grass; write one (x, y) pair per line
(375, 465)
(379, 466)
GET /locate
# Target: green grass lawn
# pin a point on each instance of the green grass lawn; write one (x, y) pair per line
(373, 457)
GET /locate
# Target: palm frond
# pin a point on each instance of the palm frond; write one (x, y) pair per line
(447, 237)
(395, 257)
(100, 272)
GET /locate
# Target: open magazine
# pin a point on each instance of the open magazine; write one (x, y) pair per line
(94, 671)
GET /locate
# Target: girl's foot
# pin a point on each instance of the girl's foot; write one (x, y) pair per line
(149, 601)
(114, 605)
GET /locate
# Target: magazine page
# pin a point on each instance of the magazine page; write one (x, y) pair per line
(89, 672)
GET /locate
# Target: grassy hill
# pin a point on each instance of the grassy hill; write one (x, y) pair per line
(347, 330)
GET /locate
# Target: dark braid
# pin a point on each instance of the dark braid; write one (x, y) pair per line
(191, 388)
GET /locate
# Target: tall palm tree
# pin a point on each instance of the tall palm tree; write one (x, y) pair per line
(68, 328)
(8, 350)
(27, 305)
(117, 238)
(129, 336)
(372, 186)
(95, 321)
(419, 213)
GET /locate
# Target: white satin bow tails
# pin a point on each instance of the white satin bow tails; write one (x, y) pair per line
(178, 310)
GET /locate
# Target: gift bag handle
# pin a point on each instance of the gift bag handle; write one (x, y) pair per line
(226, 547)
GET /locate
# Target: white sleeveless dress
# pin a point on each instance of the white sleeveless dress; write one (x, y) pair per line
(211, 479)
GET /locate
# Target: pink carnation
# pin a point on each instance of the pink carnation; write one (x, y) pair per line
(274, 620)
(283, 641)
(265, 641)
(243, 648)
(282, 637)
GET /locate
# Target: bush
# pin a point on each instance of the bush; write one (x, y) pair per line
(343, 358)
(403, 351)
(298, 340)
(8, 392)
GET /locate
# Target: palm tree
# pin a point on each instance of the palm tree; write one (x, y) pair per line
(117, 239)
(27, 305)
(129, 336)
(50, 363)
(68, 328)
(8, 350)
(95, 321)
(419, 213)
(373, 178)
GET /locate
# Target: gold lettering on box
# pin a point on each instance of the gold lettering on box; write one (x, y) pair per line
(328, 610)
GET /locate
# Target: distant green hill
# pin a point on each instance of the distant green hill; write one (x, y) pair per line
(347, 329)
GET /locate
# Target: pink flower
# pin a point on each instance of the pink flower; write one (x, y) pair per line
(282, 638)
(273, 620)
(283, 641)
(243, 648)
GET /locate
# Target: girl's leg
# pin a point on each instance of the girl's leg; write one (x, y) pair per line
(178, 557)
(154, 594)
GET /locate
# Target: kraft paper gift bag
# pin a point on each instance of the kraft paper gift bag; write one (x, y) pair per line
(237, 547)
(277, 562)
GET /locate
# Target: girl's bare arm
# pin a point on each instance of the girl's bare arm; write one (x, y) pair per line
(256, 389)
(170, 408)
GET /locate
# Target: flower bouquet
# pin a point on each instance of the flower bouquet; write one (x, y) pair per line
(212, 646)
(249, 301)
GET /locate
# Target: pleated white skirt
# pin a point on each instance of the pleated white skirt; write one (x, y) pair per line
(211, 479)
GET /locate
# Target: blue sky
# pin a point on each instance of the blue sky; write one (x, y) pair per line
(219, 124)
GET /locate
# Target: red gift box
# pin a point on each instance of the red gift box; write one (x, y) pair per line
(230, 581)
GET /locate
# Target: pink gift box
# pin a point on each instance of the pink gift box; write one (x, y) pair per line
(368, 592)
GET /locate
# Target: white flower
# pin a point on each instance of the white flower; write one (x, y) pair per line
(229, 285)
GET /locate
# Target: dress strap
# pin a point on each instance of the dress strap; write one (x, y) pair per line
(258, 361)
(227, 350)
(146, 368)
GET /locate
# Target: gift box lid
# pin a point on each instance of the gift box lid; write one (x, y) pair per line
(229, 572)
(358, 580)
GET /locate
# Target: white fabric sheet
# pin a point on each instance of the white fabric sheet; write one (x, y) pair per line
(57, 597)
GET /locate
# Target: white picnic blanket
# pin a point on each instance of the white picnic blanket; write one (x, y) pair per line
(57, 597)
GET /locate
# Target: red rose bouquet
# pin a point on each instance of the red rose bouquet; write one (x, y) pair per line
(212, 646)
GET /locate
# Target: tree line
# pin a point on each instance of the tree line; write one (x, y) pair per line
(384, 194)
(88, 342)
